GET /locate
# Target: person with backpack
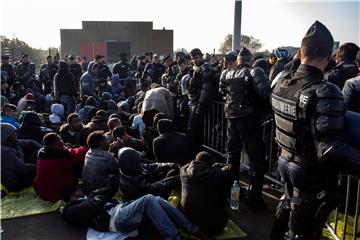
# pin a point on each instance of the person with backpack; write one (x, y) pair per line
(246, 91)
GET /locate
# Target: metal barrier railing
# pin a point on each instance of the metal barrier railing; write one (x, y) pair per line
(215, 140)
(343, 223)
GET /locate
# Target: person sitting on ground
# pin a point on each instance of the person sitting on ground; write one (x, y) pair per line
(204, 188)
(98, 122)
(31, 127)
(112, 124)
(101, 166)
(137, 179)
(9, 114)
(137, 122)
(129, 141)
(16, 173)
(171, 146)
(69, 131)
(90, 106)
(57, 112)
(55, 174)
(26, 101)
(150, 132)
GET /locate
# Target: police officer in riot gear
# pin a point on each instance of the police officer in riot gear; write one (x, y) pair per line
(246, 90)
(76, 70)
(309, 117)
(123, 68)
(100, 69)
(8, 68)
(44, 76)
(154, 70)
(201, 90)
(140, 66)
(25, 71)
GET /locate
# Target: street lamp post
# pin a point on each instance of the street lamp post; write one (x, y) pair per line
(237, 25)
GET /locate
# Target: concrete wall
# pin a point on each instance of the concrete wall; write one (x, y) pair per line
(141, 36)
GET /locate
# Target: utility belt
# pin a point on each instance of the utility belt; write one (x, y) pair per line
(299, 160)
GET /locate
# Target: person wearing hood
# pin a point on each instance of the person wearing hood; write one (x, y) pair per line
(16, 174)
(90, 105)
(204, 188)
(57, 113)
(282, 54)
(171, 146)
(27, 101)
(10, 114)
(31, 127)
(64, 87)
(101, 166)
(87, 83)
(55, 173)
(137, 178)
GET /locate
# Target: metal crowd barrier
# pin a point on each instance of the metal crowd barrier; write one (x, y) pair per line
(215, 140)
(343, 223)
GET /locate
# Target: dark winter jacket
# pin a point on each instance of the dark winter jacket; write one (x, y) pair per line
(76, 71)
(204, 190)
(137, 179)
(123, 69)
(13, 166)
(154, 71)
(31, 128)
(171, 146)
(342, 72)
(351, 92)
(278, 67)
(25, 73)
(87, 84)
(64, 83)
(67, 136)
(10, 72)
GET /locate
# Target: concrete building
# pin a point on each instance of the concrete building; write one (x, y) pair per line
(112, 38)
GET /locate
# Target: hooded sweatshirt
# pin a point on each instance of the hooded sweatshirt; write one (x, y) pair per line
(171, 146)
(31, 128)
(13, 167)
(137, 179)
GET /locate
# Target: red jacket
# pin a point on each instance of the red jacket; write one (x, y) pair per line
(55, 171)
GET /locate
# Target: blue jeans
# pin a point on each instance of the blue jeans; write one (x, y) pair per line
(69, 104)
(129, 216)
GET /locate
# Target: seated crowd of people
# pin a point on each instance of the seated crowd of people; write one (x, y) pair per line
(82, 133)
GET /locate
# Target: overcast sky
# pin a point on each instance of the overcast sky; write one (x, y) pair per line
(196, 23)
